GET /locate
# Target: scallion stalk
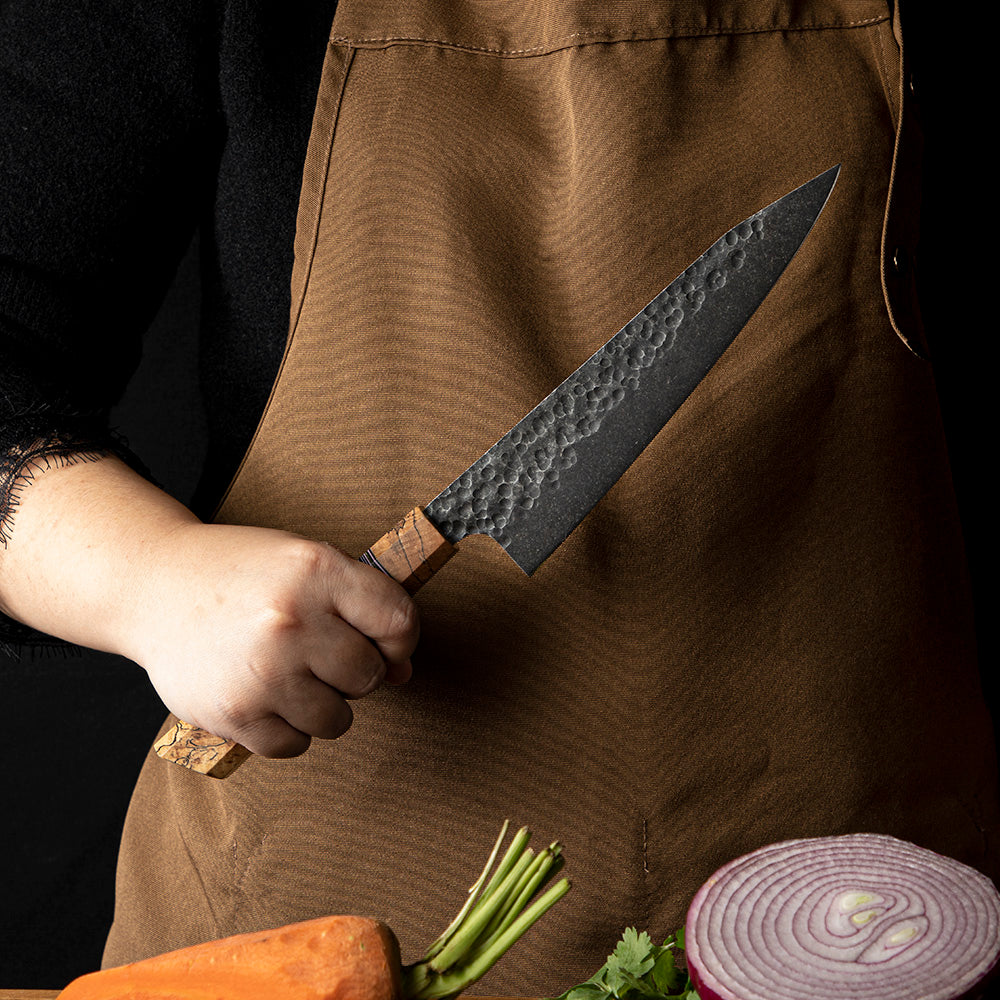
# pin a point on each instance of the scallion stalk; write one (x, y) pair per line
(498, 910)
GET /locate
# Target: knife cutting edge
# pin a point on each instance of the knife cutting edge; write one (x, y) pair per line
(536, 484)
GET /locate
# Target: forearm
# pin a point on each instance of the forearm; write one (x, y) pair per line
(83, 541)
(255, 634)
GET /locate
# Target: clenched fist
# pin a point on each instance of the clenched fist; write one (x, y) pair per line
(263, 636)
(254, 634)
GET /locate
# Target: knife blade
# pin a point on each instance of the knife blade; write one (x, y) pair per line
(537, 482)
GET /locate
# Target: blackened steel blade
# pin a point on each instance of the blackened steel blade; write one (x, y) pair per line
(536, 484)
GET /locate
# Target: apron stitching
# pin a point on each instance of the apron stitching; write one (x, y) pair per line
(596, 37)
(314, 237)
(912, 336)
(888, 84)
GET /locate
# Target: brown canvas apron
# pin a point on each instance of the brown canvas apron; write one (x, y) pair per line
(761, 632)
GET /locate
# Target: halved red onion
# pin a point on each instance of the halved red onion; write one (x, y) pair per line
(856, 917)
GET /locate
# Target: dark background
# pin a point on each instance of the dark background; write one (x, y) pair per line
(65, 788)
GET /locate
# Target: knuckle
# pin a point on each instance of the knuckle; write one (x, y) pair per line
(301, 563)
(403, 622)
(236, 712)
(263, 672)
(314, 559)
(307, 555)
(244, 697)
(278, 619)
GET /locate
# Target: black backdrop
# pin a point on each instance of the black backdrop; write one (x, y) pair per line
(74, 730)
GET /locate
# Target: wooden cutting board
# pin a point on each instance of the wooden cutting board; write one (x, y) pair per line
(52, 994)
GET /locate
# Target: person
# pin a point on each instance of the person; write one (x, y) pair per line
(125, 499)
(745, 641)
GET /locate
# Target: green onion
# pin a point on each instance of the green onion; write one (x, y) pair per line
(498, 910)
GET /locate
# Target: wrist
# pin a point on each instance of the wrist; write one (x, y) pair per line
(154, 553)
(84, 534)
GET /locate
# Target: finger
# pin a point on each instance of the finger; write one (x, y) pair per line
(375, 605)
(314, 708)
(343, 658)
(271, 736)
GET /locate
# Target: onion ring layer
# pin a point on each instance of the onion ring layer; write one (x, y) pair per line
(856, 917)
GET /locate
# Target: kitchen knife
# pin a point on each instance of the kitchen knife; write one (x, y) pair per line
(533, 487)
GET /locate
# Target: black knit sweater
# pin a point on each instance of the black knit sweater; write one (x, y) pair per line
(125, 127)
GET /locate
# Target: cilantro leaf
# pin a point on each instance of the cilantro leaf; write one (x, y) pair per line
(666, 977)
(638, 970)
(634, 953)
(586, 991)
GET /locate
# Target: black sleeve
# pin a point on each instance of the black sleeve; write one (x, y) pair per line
(110, 135)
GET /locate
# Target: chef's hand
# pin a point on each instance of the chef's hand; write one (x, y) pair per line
(254, 634)
(263, 636)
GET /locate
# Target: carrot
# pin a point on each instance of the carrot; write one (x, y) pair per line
(349, 957)
(330, 958)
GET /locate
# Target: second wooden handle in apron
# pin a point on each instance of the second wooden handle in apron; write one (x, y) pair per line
(411, 553)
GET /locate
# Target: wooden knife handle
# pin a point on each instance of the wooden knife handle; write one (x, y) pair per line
(411, 553)
(198, 750)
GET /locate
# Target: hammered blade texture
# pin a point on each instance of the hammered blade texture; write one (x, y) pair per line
(538, 481)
